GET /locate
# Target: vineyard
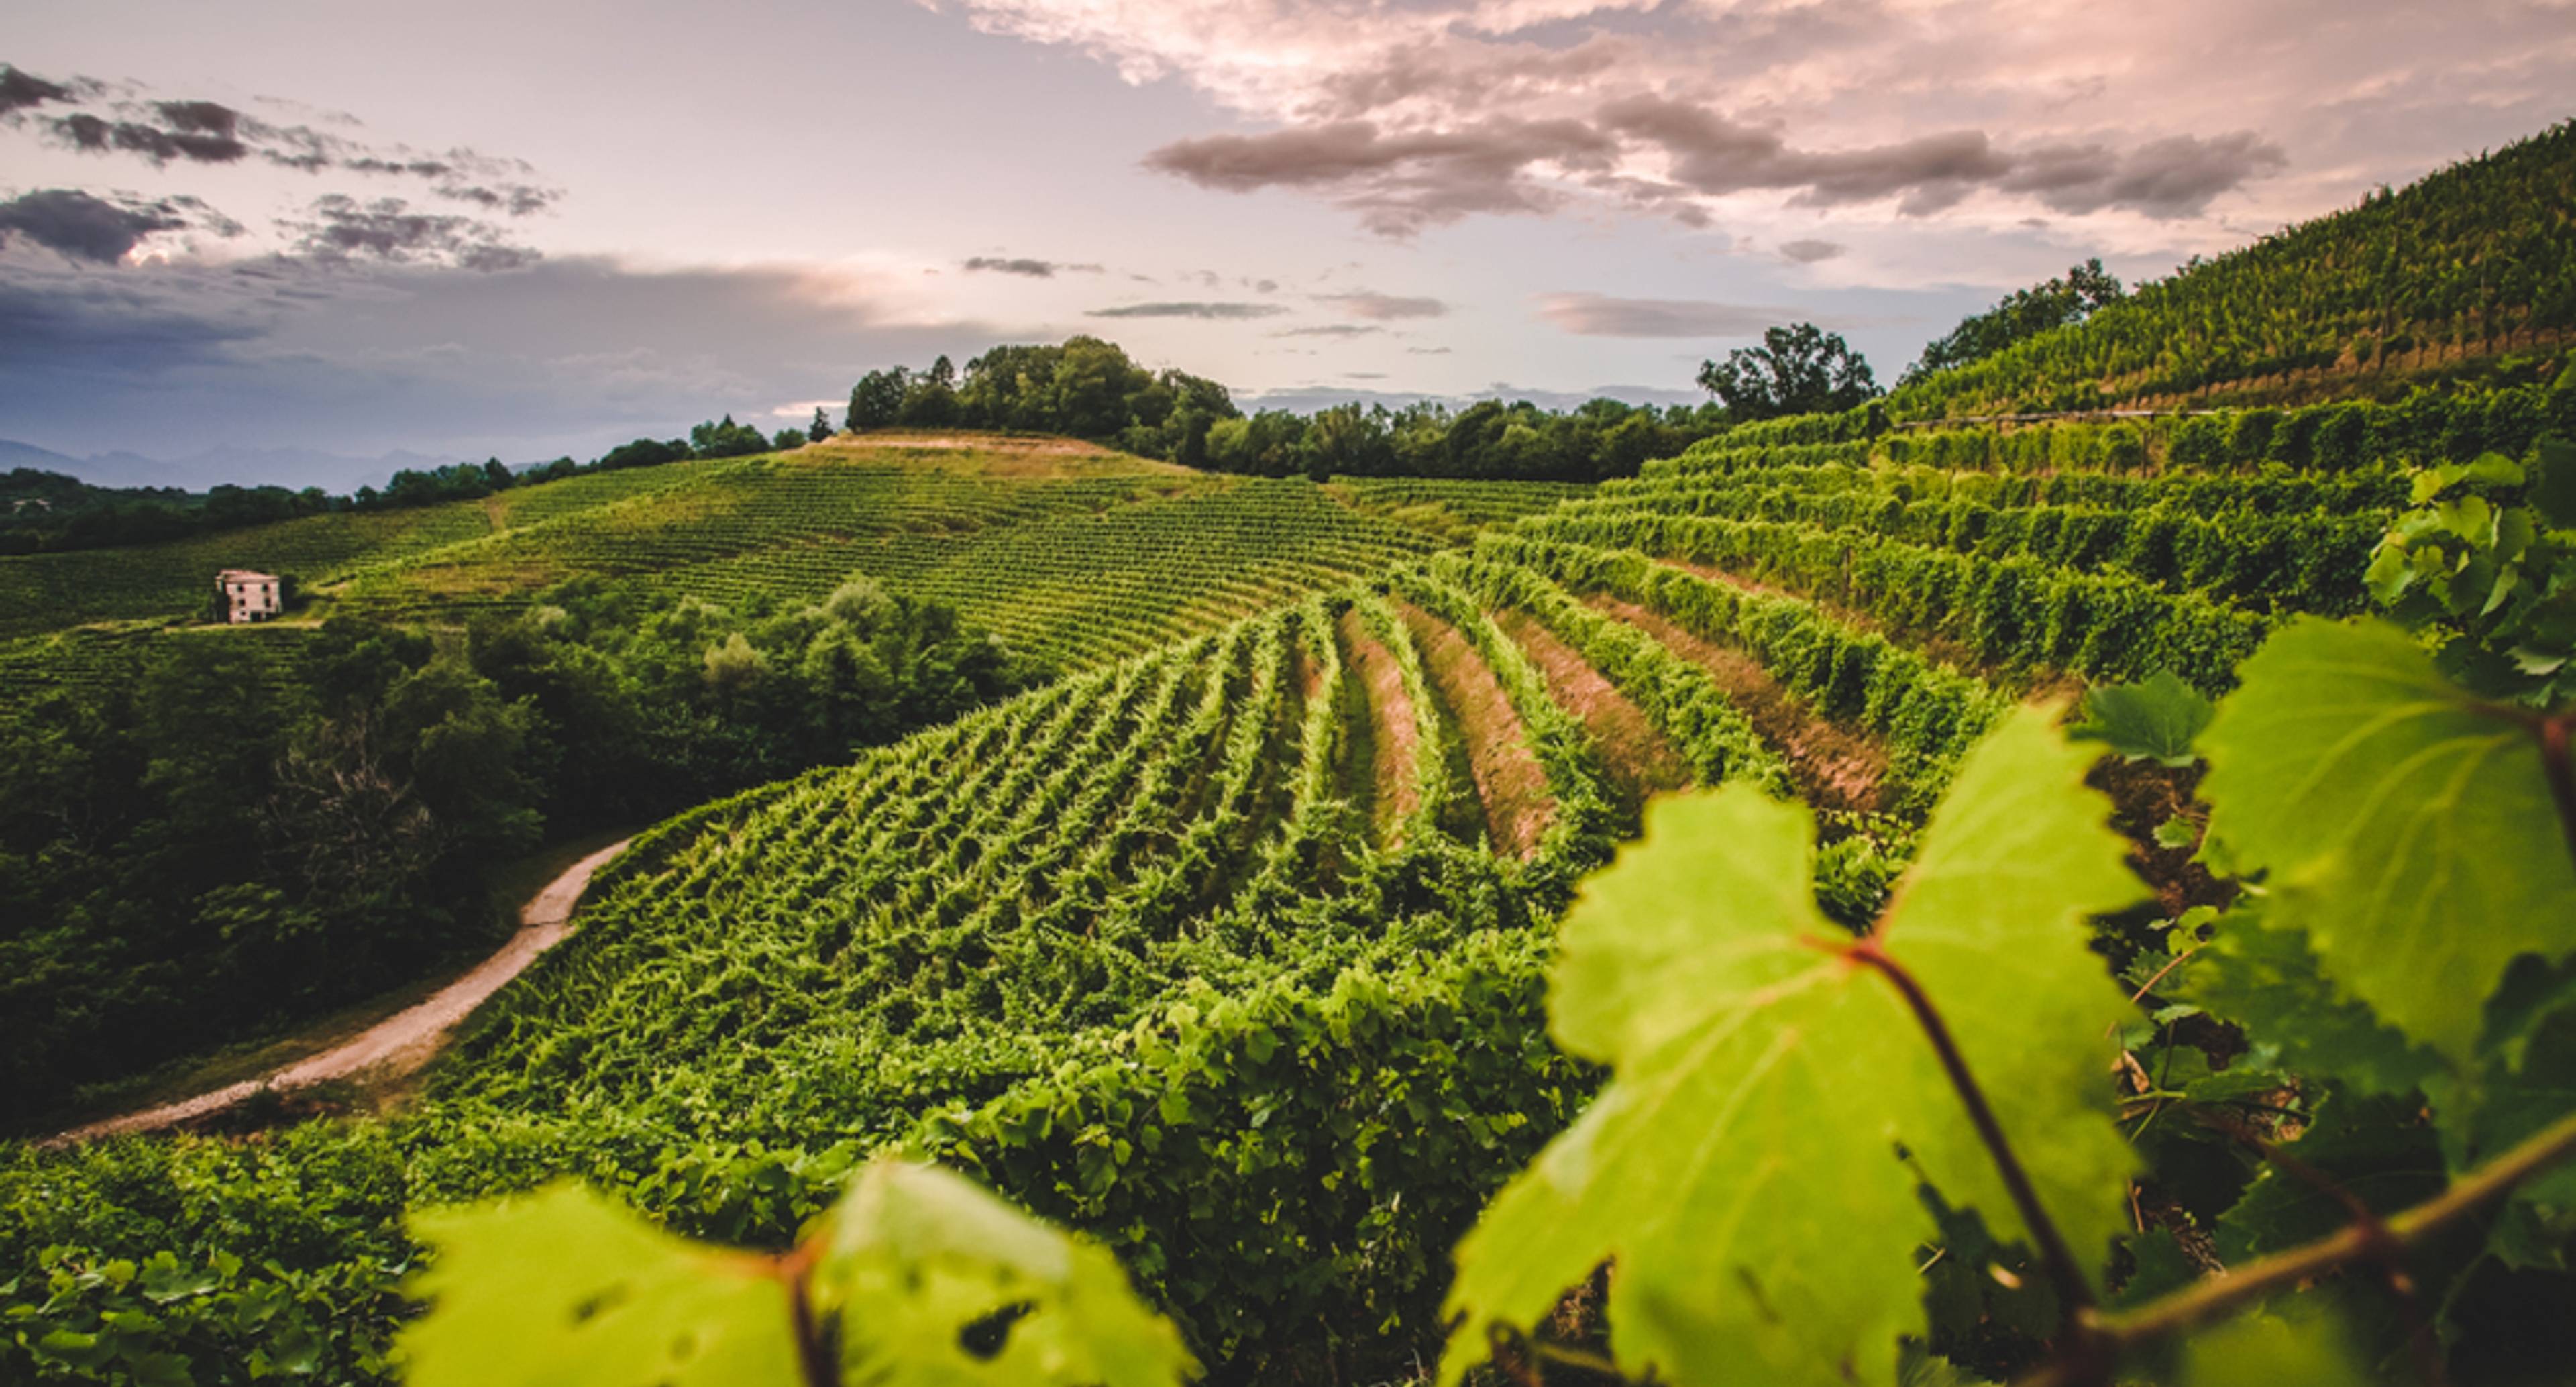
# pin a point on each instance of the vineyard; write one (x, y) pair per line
(1074, 555)
(1869, 899)
(2451, 275)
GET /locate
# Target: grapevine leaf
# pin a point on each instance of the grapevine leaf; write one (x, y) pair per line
(1993, 922)
(2408, 829)
(2152, 720)
(932, 1279)
(2262, 1350)
(564, 1289)
(2366, 1147)
(1740, 1167)
(2266, 980)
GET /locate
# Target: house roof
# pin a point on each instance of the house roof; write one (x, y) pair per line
(244, 575)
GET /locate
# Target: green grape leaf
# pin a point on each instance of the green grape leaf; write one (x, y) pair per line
(2262, 1350)
(2406, 827)
(2153, 720)
(1741, 1165)
(563, 1289)
(2368, 1147)
(2266, 980)
(932, 1279)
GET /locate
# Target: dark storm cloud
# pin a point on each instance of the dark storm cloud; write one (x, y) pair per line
(338, 227)
(358, 356)
(1028, 268)
(1385, 307)
(1399, 182)
(20, 89)
(1598, 315)
(1190, 310)
(103, 329)
(1808, 252)
(90, 228)
(2174, 177)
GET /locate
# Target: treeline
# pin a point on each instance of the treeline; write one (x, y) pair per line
(43, 512)
(247, 832)
(1091, 389)
(2469, 262)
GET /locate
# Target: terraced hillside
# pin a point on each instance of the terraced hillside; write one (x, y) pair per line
(1076, 555)
(2463, 273)
(1230, 953)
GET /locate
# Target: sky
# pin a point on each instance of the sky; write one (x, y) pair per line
(531, 228)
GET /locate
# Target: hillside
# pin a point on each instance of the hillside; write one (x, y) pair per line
(1072, 553)
(1257, 881)
(2454, 276)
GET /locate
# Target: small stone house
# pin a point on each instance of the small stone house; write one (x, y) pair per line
(247, 595)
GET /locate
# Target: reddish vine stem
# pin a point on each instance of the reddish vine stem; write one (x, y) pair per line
(813, 1357)
(2555, 755)
(2074, 1293)
(2378, 1244)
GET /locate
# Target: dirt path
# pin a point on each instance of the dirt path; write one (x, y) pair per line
(403, 1042)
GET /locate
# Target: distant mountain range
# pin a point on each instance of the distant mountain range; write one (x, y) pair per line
(288, 467)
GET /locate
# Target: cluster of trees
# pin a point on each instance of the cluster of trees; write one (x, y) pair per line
(1799, 369)
(234, 837)
(47, 511)
(2024, 313)
(1090, 388)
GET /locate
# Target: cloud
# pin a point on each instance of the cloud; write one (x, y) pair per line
(1033, 269)
(1427, 351)
(569, 354)
(1190, 310)
(1399, 182)
(209, 132)
(339, 227)
(1385, 307)
(2173, 177)
(1332, 330)
(1598, 315)
(91, 135)
(20, 90)
(83, 227)
(1808, 252)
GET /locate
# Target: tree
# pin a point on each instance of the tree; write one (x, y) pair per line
(1800, 369)
(877, 399)
(788, 438)
(821, 428)
(2024, 313)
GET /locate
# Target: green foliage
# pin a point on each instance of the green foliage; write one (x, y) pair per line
(2408, 829)
(1760, 1075)
(2157, 719)
(2496, 580)
(2024, 313)
(916, 1276)
(1800, 369)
